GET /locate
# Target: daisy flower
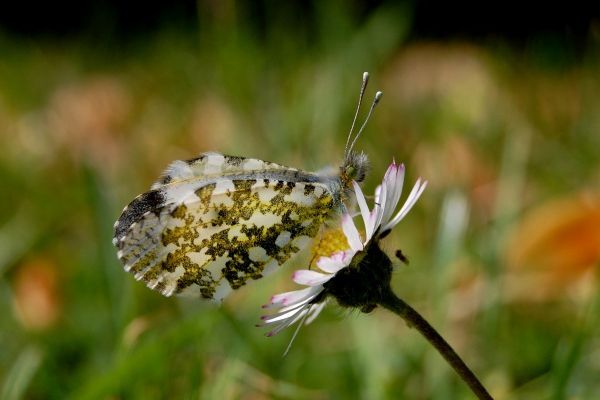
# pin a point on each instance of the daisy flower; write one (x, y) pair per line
(351, 276)
(359, 276)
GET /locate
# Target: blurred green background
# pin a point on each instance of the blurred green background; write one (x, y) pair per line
(504, 244)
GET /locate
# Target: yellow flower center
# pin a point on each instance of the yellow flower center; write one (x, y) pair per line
(332, 241)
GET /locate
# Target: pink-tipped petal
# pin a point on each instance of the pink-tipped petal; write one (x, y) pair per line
(287, 298)
(300, 303)
(340, 256)
(269, 319)
(310, 278)
(336, 262)
(391, 171)
(393, 181)
(291, 307)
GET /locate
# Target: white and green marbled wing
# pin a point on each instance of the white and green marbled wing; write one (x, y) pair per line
(211, 224)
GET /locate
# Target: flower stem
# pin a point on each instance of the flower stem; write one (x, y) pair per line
(414, 320)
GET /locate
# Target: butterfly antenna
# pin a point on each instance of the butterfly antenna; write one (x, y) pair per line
(289, 346)
(363, 87)
(373, 105)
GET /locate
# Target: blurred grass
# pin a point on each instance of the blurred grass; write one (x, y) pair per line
(497, 133)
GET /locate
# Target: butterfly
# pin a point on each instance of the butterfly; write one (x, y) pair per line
(213, 223)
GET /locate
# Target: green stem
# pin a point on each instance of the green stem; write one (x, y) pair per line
(390, 301)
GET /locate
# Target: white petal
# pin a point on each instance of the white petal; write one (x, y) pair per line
(374, 217)
(289, 311)
(410, 201)
(296, 305)
(315, 310)
(381, 207)
(393, 180)
(362, 204)
(310, 278)
(390, 173)
(351, 233)
(269, 319)
(413, 197)
(288, 322)
(301, 303)
(377, 193)
(292, 297)
(374, 214)
(335, 262)
(371, 224)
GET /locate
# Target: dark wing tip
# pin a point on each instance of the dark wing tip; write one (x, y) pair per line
(149, 201)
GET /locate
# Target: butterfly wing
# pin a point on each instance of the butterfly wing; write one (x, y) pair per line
(205, 234)
(214, 165)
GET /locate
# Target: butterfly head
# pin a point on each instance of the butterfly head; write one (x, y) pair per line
(355, 168)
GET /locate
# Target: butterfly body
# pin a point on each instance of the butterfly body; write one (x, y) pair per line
(211, 224)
